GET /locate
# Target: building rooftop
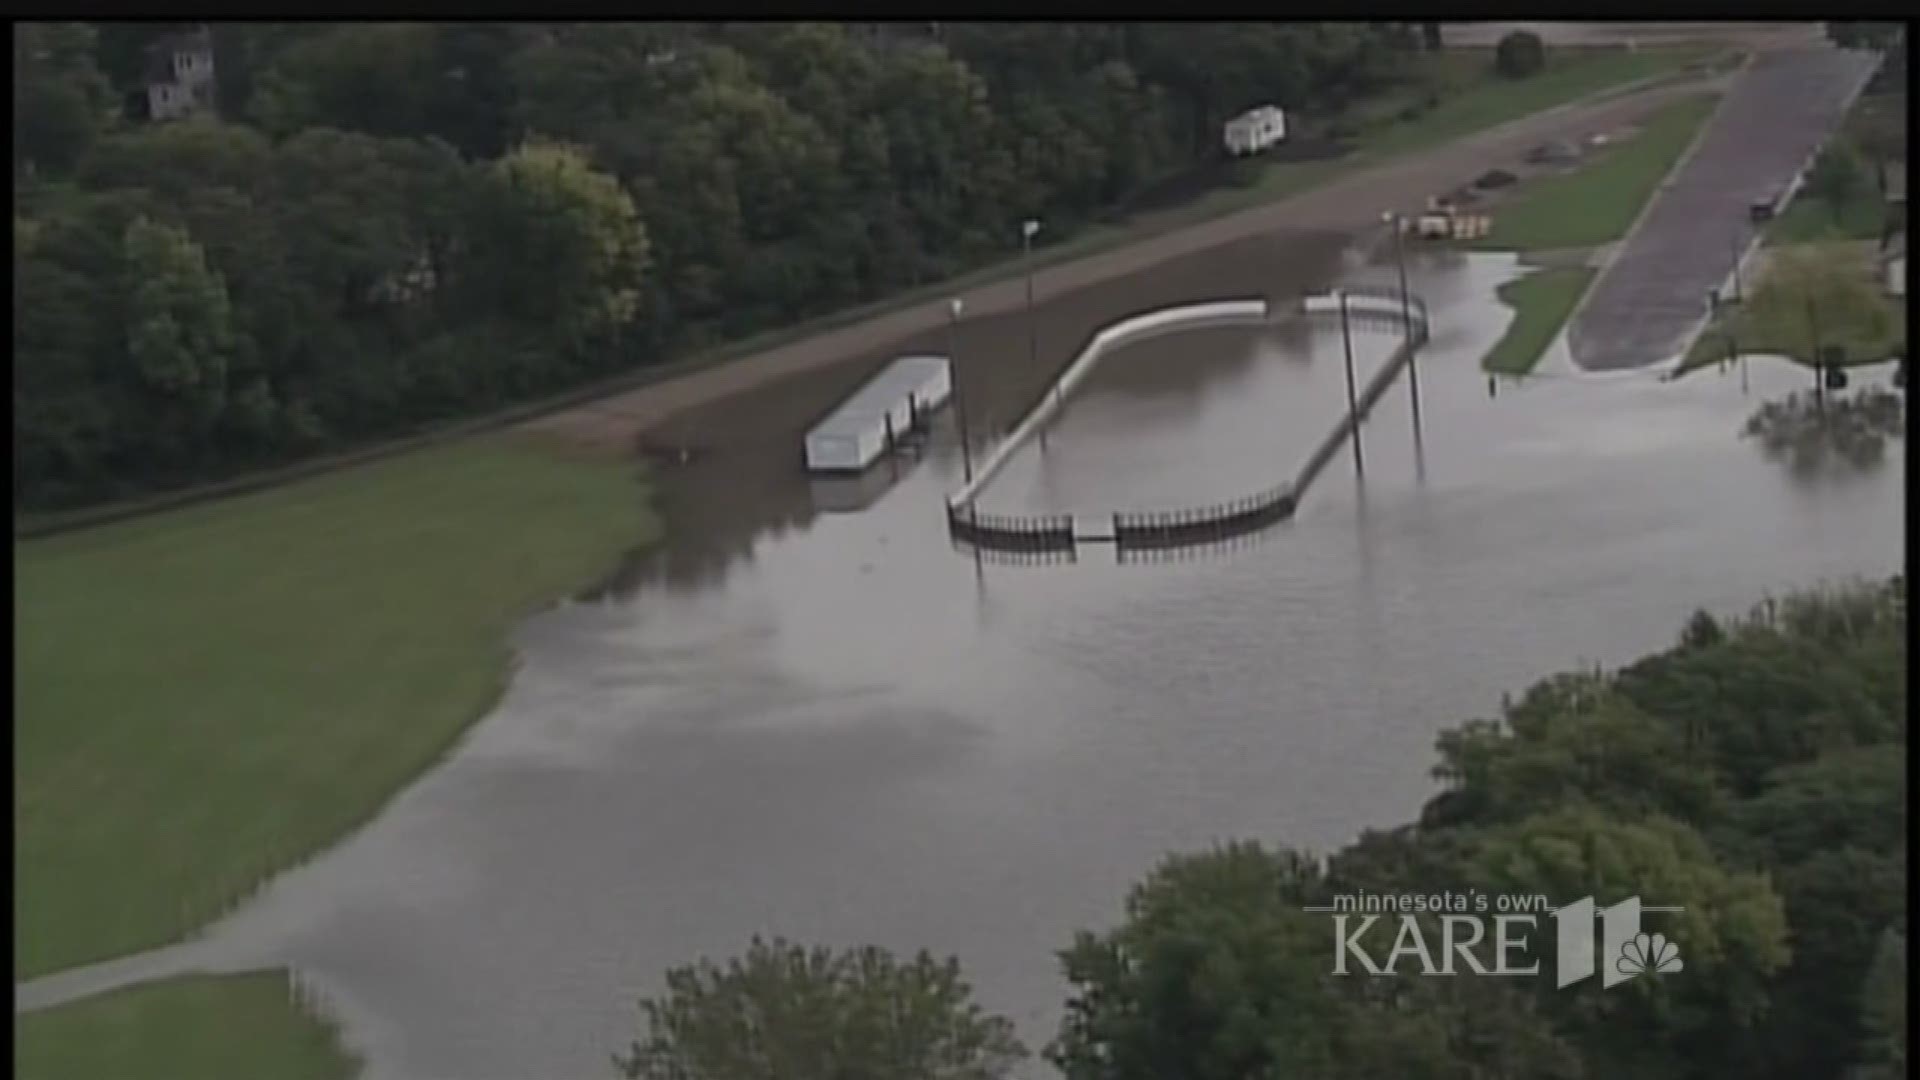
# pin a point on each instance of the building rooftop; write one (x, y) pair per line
(881, 393)
(160, 54)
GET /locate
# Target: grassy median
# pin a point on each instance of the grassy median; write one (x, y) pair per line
(233, 1027)
(1599, 202)
(1541, 302)
(206, 697)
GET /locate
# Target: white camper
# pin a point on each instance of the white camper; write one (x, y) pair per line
(853, 435)
(1255, 131)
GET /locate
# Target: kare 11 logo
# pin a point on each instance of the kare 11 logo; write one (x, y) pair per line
(1619, 949)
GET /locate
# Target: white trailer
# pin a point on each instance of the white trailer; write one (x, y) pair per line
(1255, 131)
(889, 405)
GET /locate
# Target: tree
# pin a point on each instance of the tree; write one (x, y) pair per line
(1815, 296)
(1430, 36)
(574, 248)
(1837, 177)
(1866, 35)
(378, 78)
(180, 336)
(61, 101)
(788, 1011)
(1218, 973)
(1520, 54)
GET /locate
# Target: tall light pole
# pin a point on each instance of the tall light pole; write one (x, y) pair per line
(1739, 292)
(1353, 402)
(1395, 222)
(954, 308)
(1028, 229)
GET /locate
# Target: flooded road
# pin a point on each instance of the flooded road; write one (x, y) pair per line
(836, 727)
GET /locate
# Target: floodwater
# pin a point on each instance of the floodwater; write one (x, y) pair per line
(837, 727)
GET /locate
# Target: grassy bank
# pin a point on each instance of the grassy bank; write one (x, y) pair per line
(238, 1027)
(206, 697)
(1541, 302)
(1600, 201)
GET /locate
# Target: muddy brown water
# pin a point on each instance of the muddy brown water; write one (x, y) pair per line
(834, 726)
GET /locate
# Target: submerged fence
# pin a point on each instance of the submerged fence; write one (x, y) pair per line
(1041, 532)
(1200, 525)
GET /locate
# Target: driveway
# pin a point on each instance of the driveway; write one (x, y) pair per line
(1652, 297)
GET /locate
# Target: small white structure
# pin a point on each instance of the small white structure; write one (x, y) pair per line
(180, 75)
(1256, 130)
(888, 406)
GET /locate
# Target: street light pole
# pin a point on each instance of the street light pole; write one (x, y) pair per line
(1027, 230)
(1739, 291)
(959, 400)
(1406, 309)
(1353, 402)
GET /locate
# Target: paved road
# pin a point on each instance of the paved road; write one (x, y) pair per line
(1653, 295)
(1754, 35)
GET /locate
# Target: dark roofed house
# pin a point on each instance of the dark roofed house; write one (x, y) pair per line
(179, 75)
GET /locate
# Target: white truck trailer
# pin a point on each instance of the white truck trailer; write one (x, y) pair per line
(1255, 131)
(890, 405)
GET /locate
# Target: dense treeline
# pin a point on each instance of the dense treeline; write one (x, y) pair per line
(1753, 775)
(397, 222)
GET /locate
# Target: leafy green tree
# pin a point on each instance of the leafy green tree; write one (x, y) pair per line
(1732, 934)
(1857, 34)
(576, 238)
(1838, 177)
(1218, 972)
(377, 78)
(61, 101)
(180, 337)
(784, 1010)
(1520, 54)
(1819, 294)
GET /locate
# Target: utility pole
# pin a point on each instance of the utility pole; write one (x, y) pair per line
(1027, 230)
(959, 400)
(1353, 402)
(1406, 310)
(1813, 328)
(1739, 291)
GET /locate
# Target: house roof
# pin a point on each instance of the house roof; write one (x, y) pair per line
(160, 53)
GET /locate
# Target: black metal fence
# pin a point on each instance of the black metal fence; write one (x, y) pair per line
(1017, 557)
(1202, 524)
(1010, 532)
(1415, 310)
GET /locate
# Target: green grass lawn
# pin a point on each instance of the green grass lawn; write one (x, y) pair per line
(1541, 302)
(233, 1027)
(1809, 220)
(1598, 202)
(1734, 329)
(206, 697)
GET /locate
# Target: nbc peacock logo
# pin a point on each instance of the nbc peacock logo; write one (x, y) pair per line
(1649, 954)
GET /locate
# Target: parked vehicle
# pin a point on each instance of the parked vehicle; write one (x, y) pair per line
(1255, 131)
